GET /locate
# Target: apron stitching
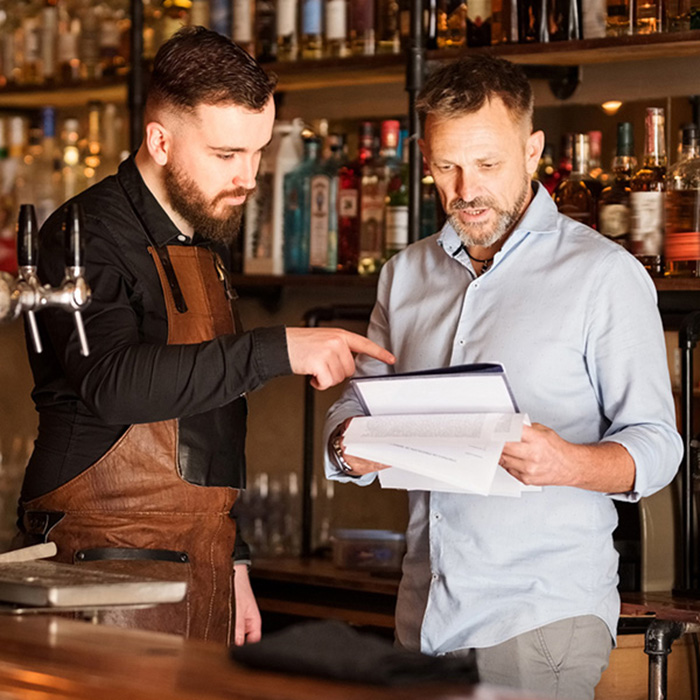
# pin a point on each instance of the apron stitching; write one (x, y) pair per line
(213, 579)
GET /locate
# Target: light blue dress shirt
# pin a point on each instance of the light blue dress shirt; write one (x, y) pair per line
(573, 318)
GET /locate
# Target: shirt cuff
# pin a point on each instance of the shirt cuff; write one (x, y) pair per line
(270, 352)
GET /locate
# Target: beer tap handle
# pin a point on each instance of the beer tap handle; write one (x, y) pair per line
(75, 261)
(27, 256)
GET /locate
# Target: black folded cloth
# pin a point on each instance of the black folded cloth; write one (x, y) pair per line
(331, 649)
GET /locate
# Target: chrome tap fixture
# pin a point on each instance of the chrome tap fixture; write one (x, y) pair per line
(27, 295)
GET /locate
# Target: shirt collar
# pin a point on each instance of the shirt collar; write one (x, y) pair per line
(540, 217)
(159, 224)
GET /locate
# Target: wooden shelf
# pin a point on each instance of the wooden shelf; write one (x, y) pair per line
(64, 96)
(588, 51)
(677, 284)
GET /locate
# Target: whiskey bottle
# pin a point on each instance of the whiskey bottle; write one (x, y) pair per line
(349, 185)
(682, 201)
(388, 29)
(547, 172)
(532, 21)
(649, 16)
(28, 43)
(287, 38)
(620, 17)
(504, 22)
(67, 44)
(575, 196)
(362, 28)
(265, 31)
(647, 195)
(451, 24)
(49, 34)
(243, 22)
(563, 20)
(479, 23)
(336, 28)
(614, 215)
(311, 29)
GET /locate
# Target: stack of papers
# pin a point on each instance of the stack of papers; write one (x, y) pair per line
(442, 430)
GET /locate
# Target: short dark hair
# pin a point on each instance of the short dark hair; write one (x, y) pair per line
(464, 86)
(198, 66)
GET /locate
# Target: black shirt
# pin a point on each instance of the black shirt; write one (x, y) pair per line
(131, 375)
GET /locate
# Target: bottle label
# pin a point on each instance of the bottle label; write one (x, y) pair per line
(396, 229)
(311, 20)
(336, 22)
(372, 216)
(286, 17)
(347, 203)
(647, 229)
(259, 215)
(67, 47)
(479, 11)
(242, 22)
(614, 220)
(320, 220)
(109, 34)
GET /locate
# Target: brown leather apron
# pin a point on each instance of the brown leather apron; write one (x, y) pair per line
(133, 512)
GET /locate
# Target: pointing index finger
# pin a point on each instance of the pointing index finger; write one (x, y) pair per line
(360, 344)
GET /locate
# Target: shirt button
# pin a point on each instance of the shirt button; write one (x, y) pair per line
(475, 285)
(435, 577)
(461, 341)
(437, 516)
(182, 238)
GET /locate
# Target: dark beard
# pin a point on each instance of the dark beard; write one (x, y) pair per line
(186, 199)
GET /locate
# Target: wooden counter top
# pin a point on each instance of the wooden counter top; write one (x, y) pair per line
(50, 657)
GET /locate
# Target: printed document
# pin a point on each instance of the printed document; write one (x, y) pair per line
(440, 430)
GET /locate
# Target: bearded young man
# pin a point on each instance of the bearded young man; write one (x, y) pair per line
(140, 452)
(526, 584)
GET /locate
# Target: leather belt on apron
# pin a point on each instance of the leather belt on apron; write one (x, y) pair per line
(132, 511)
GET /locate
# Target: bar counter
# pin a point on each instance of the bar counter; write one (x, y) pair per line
(50, 657)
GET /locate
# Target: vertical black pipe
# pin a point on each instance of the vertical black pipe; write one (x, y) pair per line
(414, 81)
(136, 78)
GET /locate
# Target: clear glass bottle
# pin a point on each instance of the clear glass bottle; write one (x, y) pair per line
(46, 170)
(27, 43)
(243, 21)
(92, 157)
(111, 61)
(647, 195)
(682, 203)
(575, 196)
(388, 27)
(533, 18)
(349, 186)
(265, 31)
(68, 56)
(297, 197)
(49, 41)
(287, 38)
(89, 40)
(614, 211)
(72, 173)
(564, 21)
(479, 23)
(311, 29)
(362, 32)
(504, 22)
(376, 174)
(620, 17)
(336, 29)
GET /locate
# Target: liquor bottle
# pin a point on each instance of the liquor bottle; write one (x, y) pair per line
(504, 22)
(243, 21)
(388, 27)
(533, 18)
(619, 19)
(614, 215)
(336, 28)
(72, 173)
(595, 167)
(547, 172)
(396, 215)
(8, 247)
(46, 169)
(220, 17)
(264, 212)
(349, 186)
(323, 214)
(200, 14)
(451, 24)
(362, 33)
(432, 215)
(265, 31)
(111, 60)
(566, 156)
(376, 174)
(311, 29)
(49, 34)
(430, 24)
(297, 198)
(682, 202)
(405, 24)
(93, 150)
(68, 57)
(89, 40)
(649, 16)
(287, 38)
(574, 196)
(564, 20)
(593, 18)
(479, 23)
(647, 197)
(28, 42)
(152, 15)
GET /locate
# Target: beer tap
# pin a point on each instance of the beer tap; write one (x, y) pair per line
(27, 295)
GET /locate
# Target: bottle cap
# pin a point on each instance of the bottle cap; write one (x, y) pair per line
(625, 139)
(689, 136)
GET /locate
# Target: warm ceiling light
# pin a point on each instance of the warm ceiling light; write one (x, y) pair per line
(611, 106)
